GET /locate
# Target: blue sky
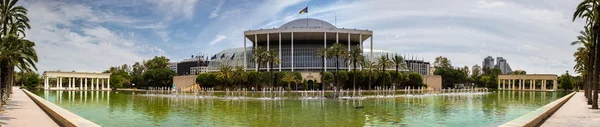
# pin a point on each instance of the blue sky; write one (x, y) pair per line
(92, 35)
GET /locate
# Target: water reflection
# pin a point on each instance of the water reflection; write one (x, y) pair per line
(110, 108)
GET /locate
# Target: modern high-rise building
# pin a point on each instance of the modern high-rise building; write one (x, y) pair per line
(488, 62)
(503, 65)
(500, 63)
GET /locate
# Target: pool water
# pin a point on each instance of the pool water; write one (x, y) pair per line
(126, 108)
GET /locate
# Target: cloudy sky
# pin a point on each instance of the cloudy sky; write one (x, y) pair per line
(91, 35)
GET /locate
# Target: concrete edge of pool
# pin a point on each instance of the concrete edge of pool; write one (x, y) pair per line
(537, 116)
(62, 116)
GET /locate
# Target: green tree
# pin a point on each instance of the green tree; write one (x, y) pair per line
(326, 78)
(337, 51)
(399, 62)
(566, 81)
(289, 78)
(240, 76)
(442, 62)
(225, 74)
(31, 80)
(589, 11)
(160, 77)
(253, 77)
(158, 62)
(415, 79)
(273, 58)
(355, 57)
(384, 62)
(322, 53)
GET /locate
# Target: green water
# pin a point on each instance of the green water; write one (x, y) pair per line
(124, 108)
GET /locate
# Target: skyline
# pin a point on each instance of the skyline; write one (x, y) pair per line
(67, 33)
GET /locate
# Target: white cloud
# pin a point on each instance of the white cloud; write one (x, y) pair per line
(175, 8)
(217, 39)
(215, 13)
(64, 42)
(164, 35)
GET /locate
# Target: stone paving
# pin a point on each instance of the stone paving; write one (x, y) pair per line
(21, 111)
(574, 113)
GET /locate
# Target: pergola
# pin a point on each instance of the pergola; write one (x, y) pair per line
(519, 82)
(102, 80)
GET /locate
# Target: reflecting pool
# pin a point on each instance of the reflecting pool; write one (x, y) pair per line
(126, 108)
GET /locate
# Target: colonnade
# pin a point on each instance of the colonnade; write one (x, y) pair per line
(82, 84)
(525, 84)
(76, 80)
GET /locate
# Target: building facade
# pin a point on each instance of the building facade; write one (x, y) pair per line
(418, 66)
(503, 65)
(488, 62)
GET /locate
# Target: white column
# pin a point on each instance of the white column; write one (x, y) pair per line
(256, 67)
(61, 83)
(268, 49)
(554, 85)
(70, 83)
(360, 42)
(108, 83)
(499, 83)
(45, 83)
(80, 84)
(325, 46)
(102, 85)
(280, 52)
(512, 84)
(85, 84)
(544, 84)
(57, 81)
(348, 65)
(371, 50)
(97, 84)
(533, 88)
(292, 51)
(245, 55)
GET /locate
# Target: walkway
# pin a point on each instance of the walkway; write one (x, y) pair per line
(21, 111)
(575, 113)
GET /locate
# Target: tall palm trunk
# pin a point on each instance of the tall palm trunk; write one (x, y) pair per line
(257, 75)
(337, 67)
(596, 70)
(272, 76)
(354, 76)
(323, 73)
(590, 75)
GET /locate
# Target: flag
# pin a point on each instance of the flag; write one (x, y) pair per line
(222, 55)
(305, 10)
(213, 57)
(232, 56)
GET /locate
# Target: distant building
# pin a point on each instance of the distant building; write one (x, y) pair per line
(503, 65)
(192, 66)
(418, 66)
(488, 62)
(500, 63)
(476, 67)
(173, 66)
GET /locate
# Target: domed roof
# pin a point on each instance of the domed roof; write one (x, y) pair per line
(307, 23)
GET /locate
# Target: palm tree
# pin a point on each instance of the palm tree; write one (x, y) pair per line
(582, 59)
(225, 74)
(14, 23)
(588, 10)
(239, 75)
(259, 55)
(322, 53)
(399, 62)
(272, 58)
(11, 13)
(288, 78)
(384, 62)
(338, 52)
(355, 57)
